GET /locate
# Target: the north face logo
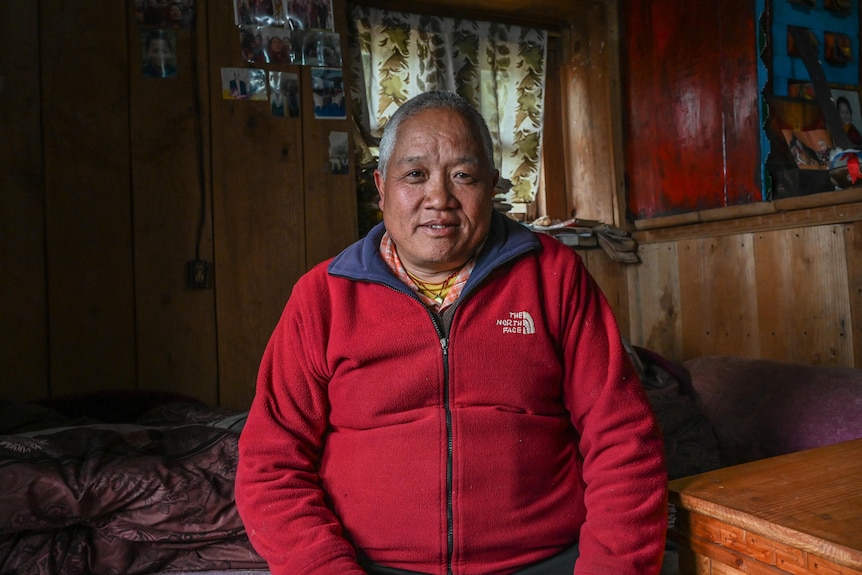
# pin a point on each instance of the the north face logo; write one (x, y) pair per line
(518, 322)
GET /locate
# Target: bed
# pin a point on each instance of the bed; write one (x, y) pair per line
(141, 483)
(120, 483)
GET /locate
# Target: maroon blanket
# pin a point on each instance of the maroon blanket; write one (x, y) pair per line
(155, 495)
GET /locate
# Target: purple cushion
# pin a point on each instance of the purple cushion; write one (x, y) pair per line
(761, 408)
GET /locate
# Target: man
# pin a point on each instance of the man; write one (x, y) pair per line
(450, 394)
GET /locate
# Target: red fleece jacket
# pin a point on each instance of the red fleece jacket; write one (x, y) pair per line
(521, 432)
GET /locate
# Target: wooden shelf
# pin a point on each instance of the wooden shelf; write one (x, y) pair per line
(802, 211)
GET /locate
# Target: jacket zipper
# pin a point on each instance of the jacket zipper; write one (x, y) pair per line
(450, 530)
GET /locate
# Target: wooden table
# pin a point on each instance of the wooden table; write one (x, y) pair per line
(797, 513)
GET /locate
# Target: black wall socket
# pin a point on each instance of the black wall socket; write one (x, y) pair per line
(199, 274)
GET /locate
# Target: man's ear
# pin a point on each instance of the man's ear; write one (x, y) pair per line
(378, 183)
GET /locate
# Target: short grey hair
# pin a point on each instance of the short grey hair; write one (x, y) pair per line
(432, 100)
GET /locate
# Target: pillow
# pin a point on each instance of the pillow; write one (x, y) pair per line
(762, 408)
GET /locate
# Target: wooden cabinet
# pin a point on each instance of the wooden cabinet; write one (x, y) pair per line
(796, 513)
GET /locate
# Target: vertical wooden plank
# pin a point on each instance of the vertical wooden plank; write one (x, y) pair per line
(331, 217)
(717, 296)
(84, 63)
(552, 198)
(654, 300)
(611, 277)
(24, 337)
(258, 214)
(176, 337)
(588, 116)
(802, 296)
(853, 250)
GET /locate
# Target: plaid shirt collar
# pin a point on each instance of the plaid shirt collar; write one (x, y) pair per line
(389, 253)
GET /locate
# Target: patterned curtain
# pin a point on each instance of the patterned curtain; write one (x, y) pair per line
(500, 69)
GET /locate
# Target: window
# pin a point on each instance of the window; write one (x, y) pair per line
(499, 68)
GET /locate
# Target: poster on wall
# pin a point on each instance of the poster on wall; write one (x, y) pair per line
(833, 27)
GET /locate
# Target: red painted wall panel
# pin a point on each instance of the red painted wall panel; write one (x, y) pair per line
(691, 125)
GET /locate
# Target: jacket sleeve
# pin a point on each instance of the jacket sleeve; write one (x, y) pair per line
(278, 491)
(620, 443)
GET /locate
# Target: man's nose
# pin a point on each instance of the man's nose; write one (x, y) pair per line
(438, 193)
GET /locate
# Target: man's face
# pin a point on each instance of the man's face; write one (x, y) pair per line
(845, 112)
(437, 198)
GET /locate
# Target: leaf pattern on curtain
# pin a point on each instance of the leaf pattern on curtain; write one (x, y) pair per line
(498, 68)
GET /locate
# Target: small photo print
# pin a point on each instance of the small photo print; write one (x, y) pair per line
(267, 44)
(321, 49)
(327, 87)
(277, 46)
(339, 157)
(243, 84)
(310, 14)
(165, 14)
(847, 103)
(159, 54)
(259, 12)
(284, 94)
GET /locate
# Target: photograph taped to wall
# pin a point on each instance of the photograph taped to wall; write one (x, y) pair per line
(321, 48)
(260, 12)
(284, 94)
(277, 45)
(310, 14)
(158, 53)
(327, 89)
(175, 14)
(290, 86)
(339, 156)
(243, 84)
(849, 110)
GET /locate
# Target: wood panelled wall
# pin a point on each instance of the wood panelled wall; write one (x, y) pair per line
(106, 175)
(790, 289)
(104, 171)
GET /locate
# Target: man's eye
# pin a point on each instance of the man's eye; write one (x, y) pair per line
(464, 176)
